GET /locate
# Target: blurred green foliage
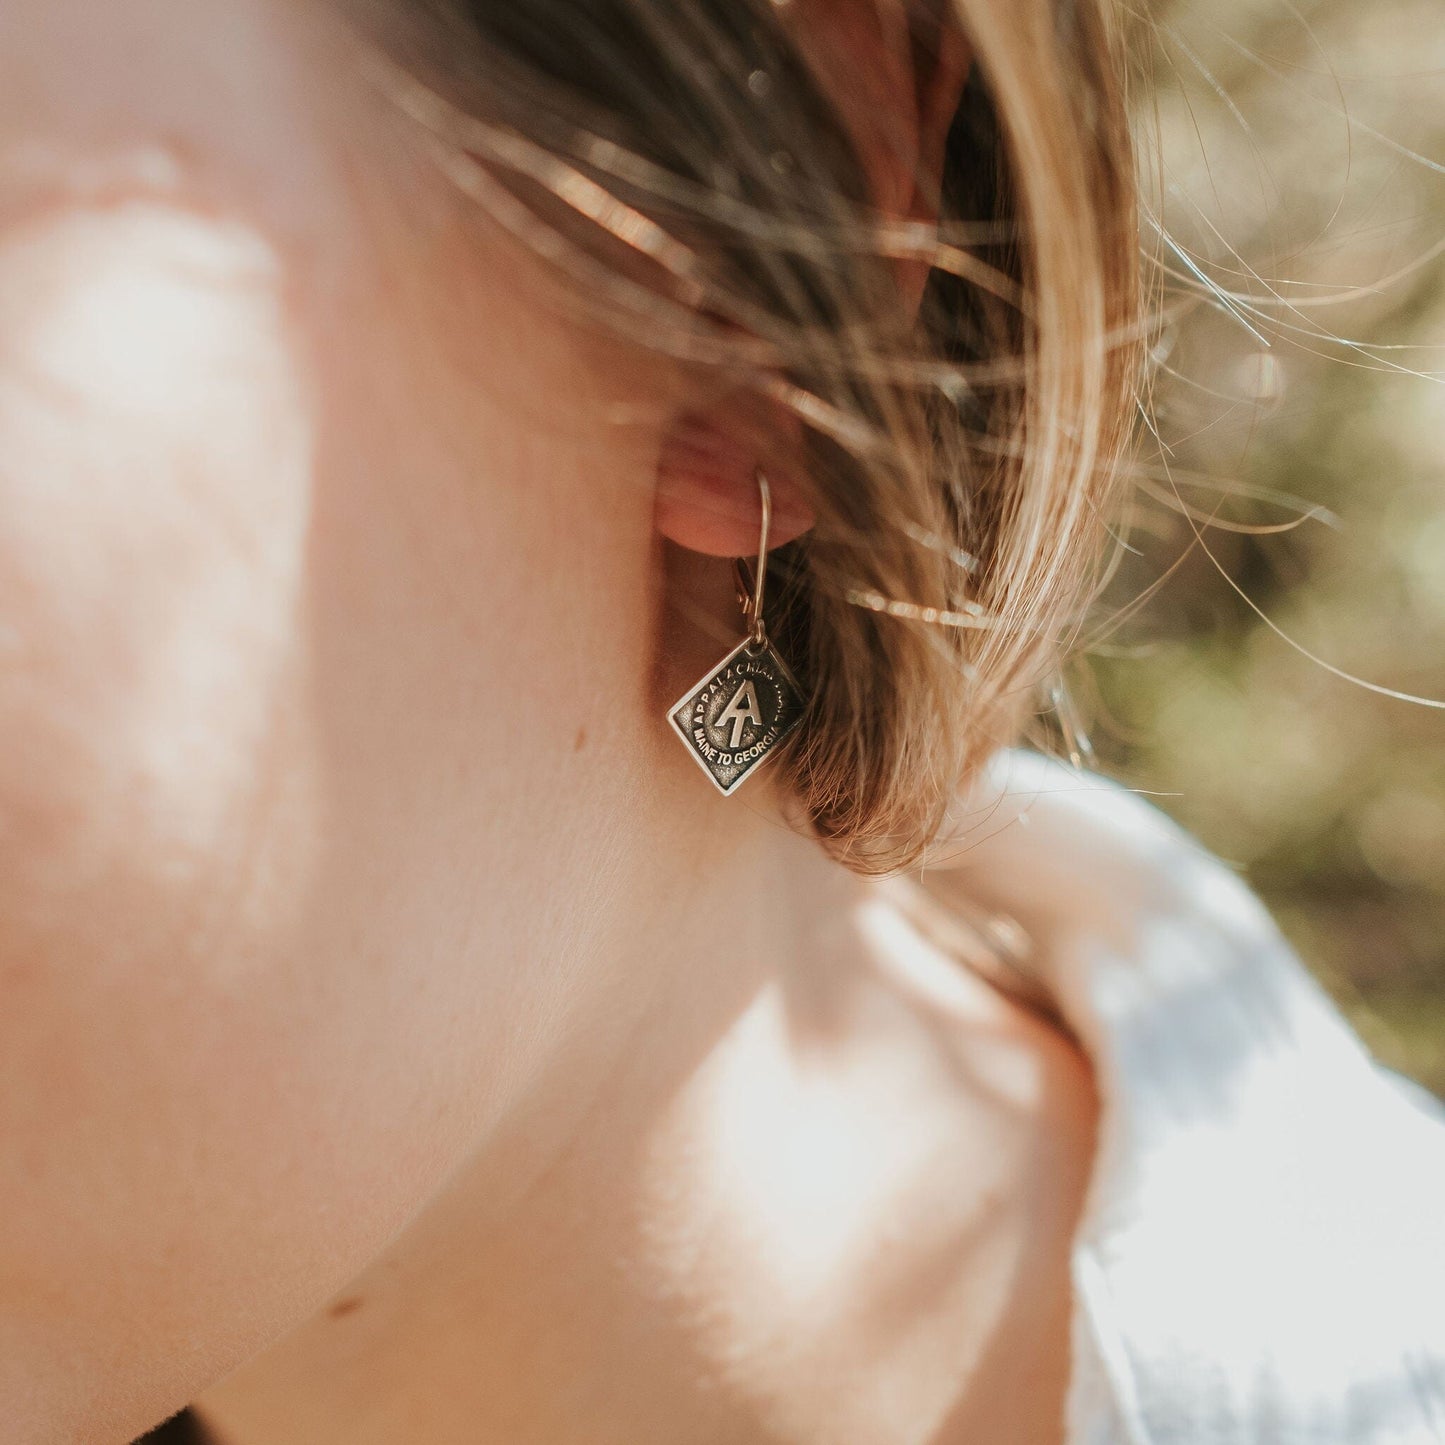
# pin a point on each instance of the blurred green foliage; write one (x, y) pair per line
(1298, 155)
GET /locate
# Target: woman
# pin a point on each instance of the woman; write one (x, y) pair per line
(405, 1037)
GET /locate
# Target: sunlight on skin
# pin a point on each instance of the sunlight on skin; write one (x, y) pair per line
(146, 350)
(832, 1158)
(821, 1150)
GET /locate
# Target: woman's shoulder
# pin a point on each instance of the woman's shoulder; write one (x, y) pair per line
(1262, 1255)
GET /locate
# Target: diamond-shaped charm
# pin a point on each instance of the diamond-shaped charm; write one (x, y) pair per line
(739, 714)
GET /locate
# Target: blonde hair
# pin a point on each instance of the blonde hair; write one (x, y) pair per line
(962, 463)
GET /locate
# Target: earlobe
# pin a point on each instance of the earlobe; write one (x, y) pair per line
(707, 492)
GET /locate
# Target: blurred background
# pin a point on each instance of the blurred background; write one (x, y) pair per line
(1299, 175)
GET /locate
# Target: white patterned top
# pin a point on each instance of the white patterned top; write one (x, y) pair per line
(1261, 1259)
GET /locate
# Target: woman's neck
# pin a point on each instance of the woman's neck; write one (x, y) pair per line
(804, 1179)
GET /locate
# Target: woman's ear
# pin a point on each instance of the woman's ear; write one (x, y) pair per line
(707, 491)
(896, 74)
(897, 79)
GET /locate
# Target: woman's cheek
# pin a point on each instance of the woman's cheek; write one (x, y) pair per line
(159, 816)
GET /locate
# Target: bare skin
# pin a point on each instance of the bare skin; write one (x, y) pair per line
(388, 1003)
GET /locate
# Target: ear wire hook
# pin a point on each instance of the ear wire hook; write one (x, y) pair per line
(753, 605)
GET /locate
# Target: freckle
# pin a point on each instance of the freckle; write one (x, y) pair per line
(581, 740)
(344, 1307)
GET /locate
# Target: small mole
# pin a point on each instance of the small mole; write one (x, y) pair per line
(346, 1306)
(581, 740)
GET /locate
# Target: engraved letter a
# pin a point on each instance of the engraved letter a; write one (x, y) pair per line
(742, 709)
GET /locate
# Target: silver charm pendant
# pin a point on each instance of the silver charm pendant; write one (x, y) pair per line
(735, 718)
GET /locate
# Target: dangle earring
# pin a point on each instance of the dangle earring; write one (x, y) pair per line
(737, 716)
